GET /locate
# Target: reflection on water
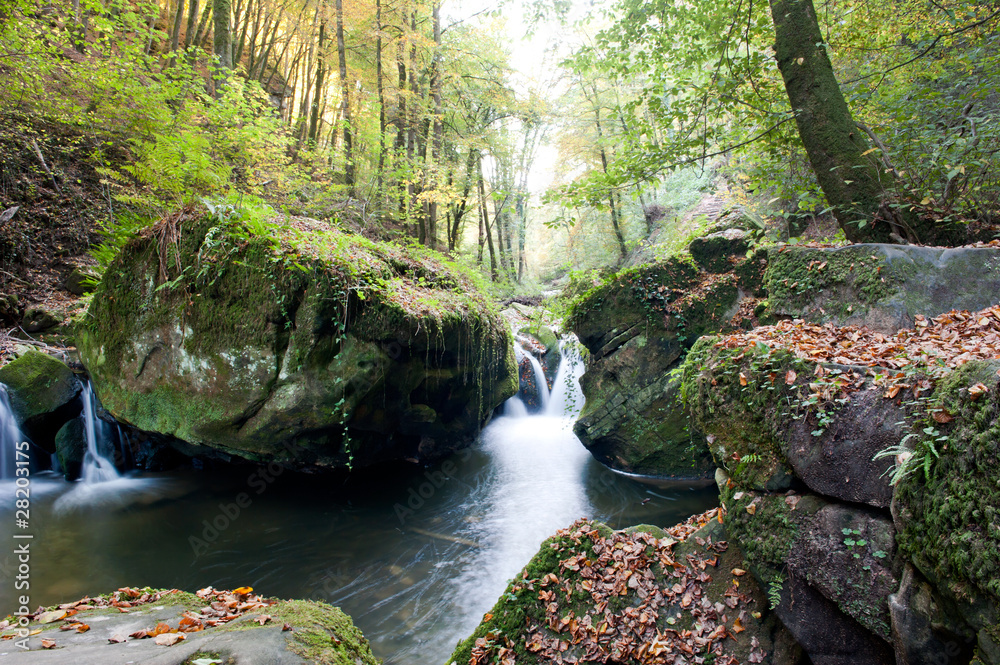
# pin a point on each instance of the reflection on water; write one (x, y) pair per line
(414, 556)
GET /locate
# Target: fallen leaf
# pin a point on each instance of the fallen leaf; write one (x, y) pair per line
(82, 628)
(47, 643)
(893, 391)
(942, 416)
(739, 572)
(53, 615)
(243, 590)
(977, 391)
(790, 377)
(116, 639)
(738, 626)
(169, 639)
(743, 379)
(263, 618)
(287, 626)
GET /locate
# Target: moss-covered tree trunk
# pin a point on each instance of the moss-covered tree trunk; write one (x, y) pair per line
(851, 179)
(222, 36)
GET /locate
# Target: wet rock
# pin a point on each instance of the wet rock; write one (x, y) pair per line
(318, 633)
(43, 392)
(924, 630)
(71, 446)
(37, 319)
(882, 287)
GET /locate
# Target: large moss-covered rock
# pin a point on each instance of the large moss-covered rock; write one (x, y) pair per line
(306, 346)
(637, 595)
(880, 286)
(773, 419)
(636, 326)
(828, 569)
(948, 509)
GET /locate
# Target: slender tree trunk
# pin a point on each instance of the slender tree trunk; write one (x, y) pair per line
(486, 224)
(381, 100)
(345, 101)
(852, 182)
(189, 33)
(175, 35)
(320, 74)
(202, 33)
(223, 38)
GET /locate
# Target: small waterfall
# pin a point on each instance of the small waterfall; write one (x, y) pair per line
(565, 400)
(10, 435)
(96, 467)
(538, 374)
(567, 396)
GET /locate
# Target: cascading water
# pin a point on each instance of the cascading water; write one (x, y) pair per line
(415, 556)
(538, 376)
(10, 435)
(96, 467)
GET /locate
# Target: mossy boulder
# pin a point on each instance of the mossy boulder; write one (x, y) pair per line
(627, 596)
(773, 420)
(43, 395)
(636, 326)
(828, 569)
(948, 512)
(718, 252)
(879, 286)
(298, 344)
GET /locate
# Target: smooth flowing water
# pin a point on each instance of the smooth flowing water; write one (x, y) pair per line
(10, 435)
(415, 556)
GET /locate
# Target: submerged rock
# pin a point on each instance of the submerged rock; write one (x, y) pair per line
(313, 348)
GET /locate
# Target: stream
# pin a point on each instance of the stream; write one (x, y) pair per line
(416, 556)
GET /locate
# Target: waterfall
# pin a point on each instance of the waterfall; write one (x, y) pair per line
(10, 435)
(567, 396)
(96, 467)
(538, 375)
(565, 400)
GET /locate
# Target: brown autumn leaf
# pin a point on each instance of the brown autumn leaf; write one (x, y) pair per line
(243, 590)
(790, 377)
(738, 626)
(82, 628)
(739, 572)
(942, 416)
(978, 390)
(263, 618)
(743, 379)
(169, 639)
(116, 639)
(161, 628)
(752, 508)
(47, 643)
(893, 391)
(286, 627)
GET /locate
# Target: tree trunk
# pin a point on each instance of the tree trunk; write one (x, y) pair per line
(320, 74)
(851, 181)
(345, 101)
(381, 100)
(175, 36)
(486, 224)
(223, 39)
(191, 23)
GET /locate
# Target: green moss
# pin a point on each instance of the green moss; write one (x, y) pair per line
(741, 400)
(951, 519)
(321, 633)
(766, 535)
(38, 384)
(795, 275)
